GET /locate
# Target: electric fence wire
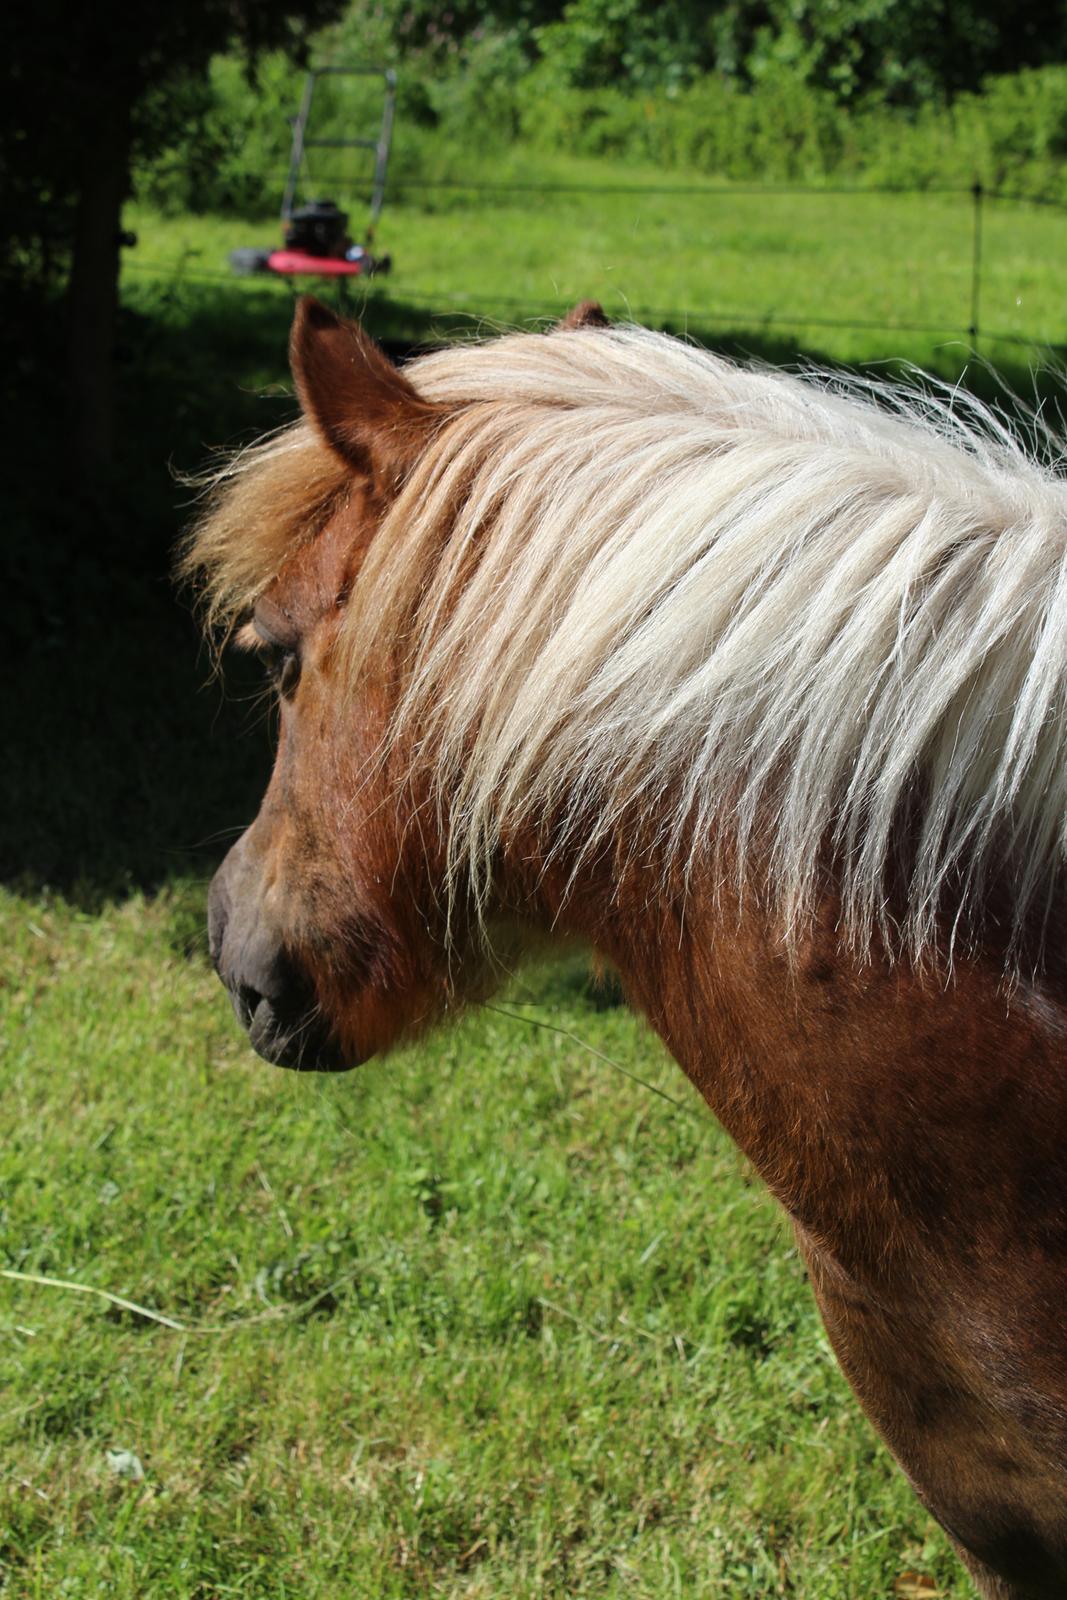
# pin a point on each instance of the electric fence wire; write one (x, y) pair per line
(176, 273)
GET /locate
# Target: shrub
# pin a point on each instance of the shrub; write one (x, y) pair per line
(1012, 135)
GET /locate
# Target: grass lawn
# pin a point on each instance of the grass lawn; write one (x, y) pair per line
(487, 1319)
(778, 271)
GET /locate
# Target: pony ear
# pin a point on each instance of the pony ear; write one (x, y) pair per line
(586, 314)
(363, 406)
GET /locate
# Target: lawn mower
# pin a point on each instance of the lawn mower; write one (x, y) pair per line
(315, 233)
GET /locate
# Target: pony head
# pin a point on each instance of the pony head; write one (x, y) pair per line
(571, 629)
(324, 920)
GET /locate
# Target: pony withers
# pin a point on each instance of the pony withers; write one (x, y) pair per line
(756, 685)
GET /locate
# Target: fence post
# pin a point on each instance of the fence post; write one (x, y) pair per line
(977, 193)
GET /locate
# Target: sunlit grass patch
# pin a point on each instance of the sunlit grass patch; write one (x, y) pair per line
(483, 1319)
(854, 276)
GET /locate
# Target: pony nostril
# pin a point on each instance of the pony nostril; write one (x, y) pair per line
(277, 1011)
(270, 998)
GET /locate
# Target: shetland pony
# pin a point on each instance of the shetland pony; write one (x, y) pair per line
(757, 686)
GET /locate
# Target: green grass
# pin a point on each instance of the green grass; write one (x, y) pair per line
(486, 1319)
(855, 276)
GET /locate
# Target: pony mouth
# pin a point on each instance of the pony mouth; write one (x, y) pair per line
(299, 1044)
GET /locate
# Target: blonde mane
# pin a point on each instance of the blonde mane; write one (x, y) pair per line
(634, 590)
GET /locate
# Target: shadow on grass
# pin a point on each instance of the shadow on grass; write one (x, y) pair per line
(125, 763)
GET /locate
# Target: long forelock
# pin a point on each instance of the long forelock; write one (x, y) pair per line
(634, 590)
(259, 506)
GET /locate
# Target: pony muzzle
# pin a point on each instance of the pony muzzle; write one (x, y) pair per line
(273, 1003)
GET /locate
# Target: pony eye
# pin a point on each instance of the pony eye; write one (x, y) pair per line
(271, 631)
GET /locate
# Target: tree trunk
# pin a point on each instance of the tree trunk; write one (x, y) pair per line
(93, 290)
